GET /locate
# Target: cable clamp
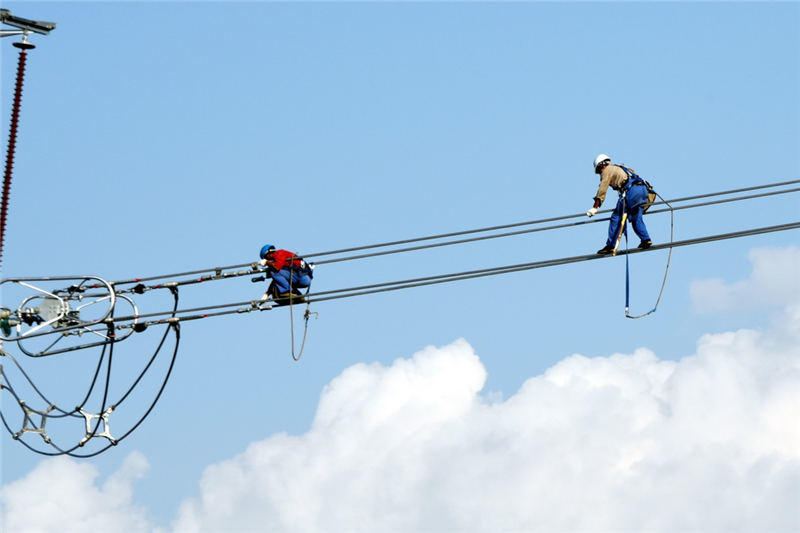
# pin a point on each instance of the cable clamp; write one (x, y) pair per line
(261, 305)
(140, 288)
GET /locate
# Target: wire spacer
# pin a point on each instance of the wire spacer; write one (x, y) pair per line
(106, 429)
(33, 429)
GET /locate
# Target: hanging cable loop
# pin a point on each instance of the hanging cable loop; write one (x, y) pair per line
(304, 298)
(666, 268)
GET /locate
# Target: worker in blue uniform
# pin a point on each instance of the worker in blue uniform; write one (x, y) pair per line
(634, 198)
(288, 271)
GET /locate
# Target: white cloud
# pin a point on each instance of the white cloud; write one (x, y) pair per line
(773, 281)
(60, 495)
(627, 442)
(622, 443)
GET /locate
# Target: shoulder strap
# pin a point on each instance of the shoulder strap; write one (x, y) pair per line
(633, 177)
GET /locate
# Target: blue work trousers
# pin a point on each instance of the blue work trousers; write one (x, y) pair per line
(299, 280)
(633, 204)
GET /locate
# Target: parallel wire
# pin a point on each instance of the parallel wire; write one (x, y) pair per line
(481, 230)
(225, 309)
(546, 228)
(391, 286)
(543, 220)
(360, 290)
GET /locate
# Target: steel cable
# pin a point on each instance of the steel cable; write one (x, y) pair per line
(457, 276)
(542, 221)
(218, 271)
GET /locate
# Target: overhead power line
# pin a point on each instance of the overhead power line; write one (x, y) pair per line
(405, 284)
(361, 290)
(546, 228)
(97, 422)
(556, 219)
(215, 272)
(219, 273)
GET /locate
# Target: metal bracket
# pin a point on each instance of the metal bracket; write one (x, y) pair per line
(25, 25)
(40, 430)
(52, 319)
(106, 429)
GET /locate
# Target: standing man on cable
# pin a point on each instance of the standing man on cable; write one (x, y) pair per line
(634, 199)
(288, 272)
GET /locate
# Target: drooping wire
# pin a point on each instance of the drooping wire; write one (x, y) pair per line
(171, 326)
(46, 400)
(45, 415)
(153, 357)
(175, 328)
(306, 315)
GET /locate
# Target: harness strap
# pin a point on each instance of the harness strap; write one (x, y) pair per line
(633, 178)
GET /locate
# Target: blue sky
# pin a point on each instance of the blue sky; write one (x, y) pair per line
(171, 136)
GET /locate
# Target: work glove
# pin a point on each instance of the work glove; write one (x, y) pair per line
(262, 262)
(591, 212)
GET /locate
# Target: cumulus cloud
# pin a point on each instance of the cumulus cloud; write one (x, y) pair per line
(773, 281)
(627, 442)
(624, 443)
(61, 495)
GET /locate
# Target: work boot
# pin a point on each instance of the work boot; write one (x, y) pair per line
(644, 245)
(286, 298)
(606, 250)
(272, 290)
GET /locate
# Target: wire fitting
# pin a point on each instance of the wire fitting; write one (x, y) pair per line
(88, 417)
(33, 429)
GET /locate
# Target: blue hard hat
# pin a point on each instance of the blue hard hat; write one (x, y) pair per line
(265, 250)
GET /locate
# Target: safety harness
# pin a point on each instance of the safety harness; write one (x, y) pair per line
(636, 179)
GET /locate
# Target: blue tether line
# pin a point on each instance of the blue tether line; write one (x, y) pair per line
(666, 269)
(627, 277)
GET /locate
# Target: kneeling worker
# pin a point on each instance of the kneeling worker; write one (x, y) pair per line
(288, 272)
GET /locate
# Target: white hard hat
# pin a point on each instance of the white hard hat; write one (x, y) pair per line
(599, 159)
